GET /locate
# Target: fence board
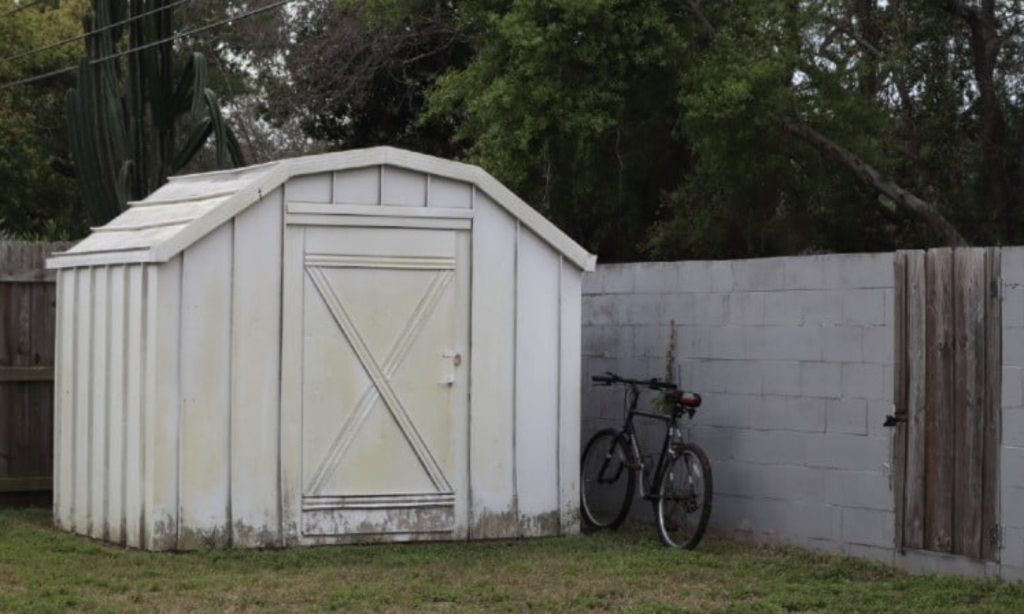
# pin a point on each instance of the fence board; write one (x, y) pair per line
(939, 420)
(969, 385)
(899, 440)
(993, 369)
(27, 322)
(916, 357)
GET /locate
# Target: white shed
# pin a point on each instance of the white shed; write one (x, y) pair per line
(372, 345)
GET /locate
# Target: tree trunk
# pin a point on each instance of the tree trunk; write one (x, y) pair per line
(918, 208)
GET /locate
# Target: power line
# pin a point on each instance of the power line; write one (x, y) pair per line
(113, 56)
(88, 34)
(22, 7)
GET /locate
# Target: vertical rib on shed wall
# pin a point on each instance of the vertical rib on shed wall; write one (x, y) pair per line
(493, 512)
(256, 374)
(570, 331)
(97, 410)
(205, 363)
(162, 402)
(537, 385)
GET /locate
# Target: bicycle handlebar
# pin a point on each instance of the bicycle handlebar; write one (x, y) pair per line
(653, 383)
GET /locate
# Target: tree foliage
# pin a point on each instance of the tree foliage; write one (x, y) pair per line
(37, 199)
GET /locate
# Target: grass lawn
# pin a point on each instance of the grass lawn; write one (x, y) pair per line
(44, 571)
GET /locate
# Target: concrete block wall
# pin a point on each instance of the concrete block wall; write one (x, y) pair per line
(1012, 452)
(793, 357)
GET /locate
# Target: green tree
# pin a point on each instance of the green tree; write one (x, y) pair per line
(37, 198)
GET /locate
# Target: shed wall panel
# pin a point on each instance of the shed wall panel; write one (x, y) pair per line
(162, 405)
(206, 391)
(537, 388)
(135, 372)
(402, 187)
(315, 188)
(256, 374)
(449, 193)
(82, 369)
(116, 378)
(64, 400)
(358, 186)
(98, 407)
(291, 385)
(570, 331)
(492, 418)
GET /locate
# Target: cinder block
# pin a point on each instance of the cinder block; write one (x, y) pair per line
(593, 281)
(721, 276)
(869, 527)
(843, 343)
(603, 310)
(880, 554)
(1013, 428)
(1013, 347)
(864, 307)
(693, 341)
(1013, 306)
(711, 309)
(1012, 264)
(771, 447)
(858, 489)
(860, 271)
(726, 342)
(655, 278)
(726, 410)
(849, 452)
(763, 274)
(650, 341)
(786, 483)
(733, 478)
(821, 307)
(923, 561)
(793, 342)
(608, 341)
(847, 416)
(1012, 456)
(821, 379)
(864, 381)
(800, 414)
(744, 377)
(693, 276)
(746, 308)
(781, 377)
(1013, 387)
(782, 308)
(680, 307)
(618, 278)
(643, 309)
(879, 344)
(719, 443)
(715, 375)
(804, 273)
(1012, 553)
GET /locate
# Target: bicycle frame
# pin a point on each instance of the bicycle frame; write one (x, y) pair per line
(673, 433)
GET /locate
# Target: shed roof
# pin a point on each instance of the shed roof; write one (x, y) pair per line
(188, 207)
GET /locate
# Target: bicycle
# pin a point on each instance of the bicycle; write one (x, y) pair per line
(680, 486)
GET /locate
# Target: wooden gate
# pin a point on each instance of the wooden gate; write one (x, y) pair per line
(27, 322)
(948, 367)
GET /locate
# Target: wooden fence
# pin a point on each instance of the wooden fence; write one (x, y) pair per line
(27, 323)
(948, 367)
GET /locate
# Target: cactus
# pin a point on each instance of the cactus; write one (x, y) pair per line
(123, 116)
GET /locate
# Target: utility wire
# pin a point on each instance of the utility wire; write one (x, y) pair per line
(22, 7)
(96, 31)
(113, 56)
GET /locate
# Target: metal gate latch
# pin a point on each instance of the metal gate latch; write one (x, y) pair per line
(894, 419)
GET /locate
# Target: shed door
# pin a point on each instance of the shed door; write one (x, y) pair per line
(384, 425)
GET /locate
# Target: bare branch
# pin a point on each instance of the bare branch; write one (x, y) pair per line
(917, 207)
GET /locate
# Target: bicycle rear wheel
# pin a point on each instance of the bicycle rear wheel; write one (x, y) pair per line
(606, 480)
(683, 507)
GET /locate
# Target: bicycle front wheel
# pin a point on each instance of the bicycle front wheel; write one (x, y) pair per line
(606, 480)
(683, 507)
